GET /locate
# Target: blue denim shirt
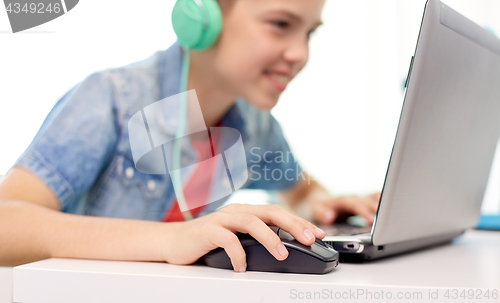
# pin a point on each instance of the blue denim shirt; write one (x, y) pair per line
(82, 150)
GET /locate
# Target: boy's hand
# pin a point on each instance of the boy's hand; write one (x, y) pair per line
(326, 209)
(322, 207)
(193, 239)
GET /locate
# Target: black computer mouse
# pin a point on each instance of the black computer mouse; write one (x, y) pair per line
(319, 258)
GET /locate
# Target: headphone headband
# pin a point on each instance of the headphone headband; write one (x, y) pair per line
(204, 13)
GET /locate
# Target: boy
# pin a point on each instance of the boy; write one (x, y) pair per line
(80, 161)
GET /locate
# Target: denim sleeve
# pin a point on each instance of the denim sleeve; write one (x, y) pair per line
(271, 163)
(75, 141)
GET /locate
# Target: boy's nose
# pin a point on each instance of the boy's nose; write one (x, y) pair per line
(297, 51)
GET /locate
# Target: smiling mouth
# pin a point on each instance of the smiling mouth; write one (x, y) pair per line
(278, 80)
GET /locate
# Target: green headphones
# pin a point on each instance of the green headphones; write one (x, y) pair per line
(197, 23)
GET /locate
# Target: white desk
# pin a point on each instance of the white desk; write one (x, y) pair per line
(5, 284)
(471, 262)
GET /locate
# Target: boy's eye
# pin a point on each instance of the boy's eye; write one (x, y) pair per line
(280, 23)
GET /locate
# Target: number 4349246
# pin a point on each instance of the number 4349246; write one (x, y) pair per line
(34, 8)
(471, 294)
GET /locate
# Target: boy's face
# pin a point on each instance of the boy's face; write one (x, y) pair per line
(263, 45)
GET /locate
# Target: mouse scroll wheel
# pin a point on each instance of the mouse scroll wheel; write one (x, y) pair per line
(321, 243)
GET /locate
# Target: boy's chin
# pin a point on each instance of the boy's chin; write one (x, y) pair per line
(263, 102)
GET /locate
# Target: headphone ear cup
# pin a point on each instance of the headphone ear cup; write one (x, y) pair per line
(197, 27)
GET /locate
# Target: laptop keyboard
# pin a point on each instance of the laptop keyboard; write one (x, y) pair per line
(344, 229)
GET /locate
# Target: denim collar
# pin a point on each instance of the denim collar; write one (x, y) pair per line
(170, 81)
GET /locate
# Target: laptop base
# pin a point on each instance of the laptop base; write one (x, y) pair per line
(368, 251)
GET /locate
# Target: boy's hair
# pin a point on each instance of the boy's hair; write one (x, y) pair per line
(226, 5)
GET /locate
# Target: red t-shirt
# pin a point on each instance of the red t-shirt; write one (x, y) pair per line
(197, 187)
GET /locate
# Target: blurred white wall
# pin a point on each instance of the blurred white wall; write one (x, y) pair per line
(339, 115)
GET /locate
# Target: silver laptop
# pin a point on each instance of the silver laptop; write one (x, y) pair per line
(445, 142)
